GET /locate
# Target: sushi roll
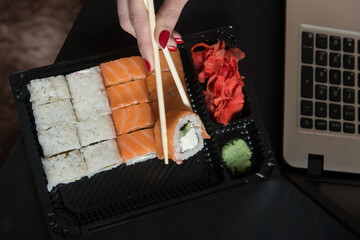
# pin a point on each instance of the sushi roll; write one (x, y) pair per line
(101, 156)
(123, 70)
(95, 130)
(185, 133)
(127, 94)
(59, 139)
(64, 168)
(53, 114)
(137, 146)
(88, 93)
(168, 84)
(133, 118)
(47, 90)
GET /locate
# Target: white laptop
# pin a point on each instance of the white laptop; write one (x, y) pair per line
(322, 85)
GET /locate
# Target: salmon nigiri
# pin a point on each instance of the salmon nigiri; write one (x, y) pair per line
(133, 118)
(123, 70)
(127, 94)
(137, 146)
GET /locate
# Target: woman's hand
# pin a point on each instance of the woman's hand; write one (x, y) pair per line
(134, 19)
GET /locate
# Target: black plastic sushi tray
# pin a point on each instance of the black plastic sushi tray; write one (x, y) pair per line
(110, 198)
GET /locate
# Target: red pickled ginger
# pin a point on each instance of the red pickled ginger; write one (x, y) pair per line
(218, 66)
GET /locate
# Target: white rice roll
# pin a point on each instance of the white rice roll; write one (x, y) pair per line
(47, 90)
(181, 147)
(95, 130)
(88, 93)
(64, 168)
(53, 114)
(101, 156)
(59, 139)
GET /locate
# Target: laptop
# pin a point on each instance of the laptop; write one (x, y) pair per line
(322, 85)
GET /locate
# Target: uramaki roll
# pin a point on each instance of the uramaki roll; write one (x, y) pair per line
(185, 133)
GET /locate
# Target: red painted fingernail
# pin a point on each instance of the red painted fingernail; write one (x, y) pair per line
(164, 38)
(172, 48)
(148, 66)
(179, 40)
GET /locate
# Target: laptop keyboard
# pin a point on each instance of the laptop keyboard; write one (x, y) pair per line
(330, 82)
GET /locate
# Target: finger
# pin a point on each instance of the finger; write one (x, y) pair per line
(177, 36)
(166, 19)
(172, 46)
(123, 14)
(140, 22)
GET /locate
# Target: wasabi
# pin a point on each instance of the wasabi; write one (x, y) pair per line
(236, 155)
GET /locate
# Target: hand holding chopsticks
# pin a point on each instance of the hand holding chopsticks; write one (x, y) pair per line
(149, 4)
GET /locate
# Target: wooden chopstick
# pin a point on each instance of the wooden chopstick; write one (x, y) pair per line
(159, 86)
(176, 78)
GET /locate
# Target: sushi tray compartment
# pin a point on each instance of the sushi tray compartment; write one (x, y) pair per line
(109, 198)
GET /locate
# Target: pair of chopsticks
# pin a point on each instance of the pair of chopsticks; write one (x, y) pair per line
(149, 4)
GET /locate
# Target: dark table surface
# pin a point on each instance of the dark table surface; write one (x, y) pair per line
(277, 209)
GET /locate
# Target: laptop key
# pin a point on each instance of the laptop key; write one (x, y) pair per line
(320, 124)
(321, 58)
(335, 43)
(349, 113)
(307, 47)
(359, 79)
(321, 92)
(306, 122)
(335, 60)
(320, 109)
(321, 41)
(335, 126)
(335, 111)
(359, 63)
(306, 82)
(348, 45)
(335, 76)
(306, 108)
(359, 114)
(349, 128)
(348, 78)
(348, 61)
(321, 75)
(348, 95)
(335, 94)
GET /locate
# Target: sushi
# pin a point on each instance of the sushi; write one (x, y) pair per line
(123, 70)
(58, 139)
(185, 133)
(168, 84)
(133, 118)
(64, 168)
(88, 93)
(173, 102)
(53, 114)
(137, 146)
(95, 130)
(101, 156)
(176, 59)
(47, 90)
(127, 94)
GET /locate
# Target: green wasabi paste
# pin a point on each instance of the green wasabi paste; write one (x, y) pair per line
(236, 155)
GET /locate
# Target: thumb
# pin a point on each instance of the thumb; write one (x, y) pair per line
(166, 19)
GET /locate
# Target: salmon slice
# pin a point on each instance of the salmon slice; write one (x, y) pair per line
(135, 66)
(137, 146)
(172, 102)
(168, 83)
(127, 94)
(163, 63)
(176, 59)
(122, 70)
(133, 118)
